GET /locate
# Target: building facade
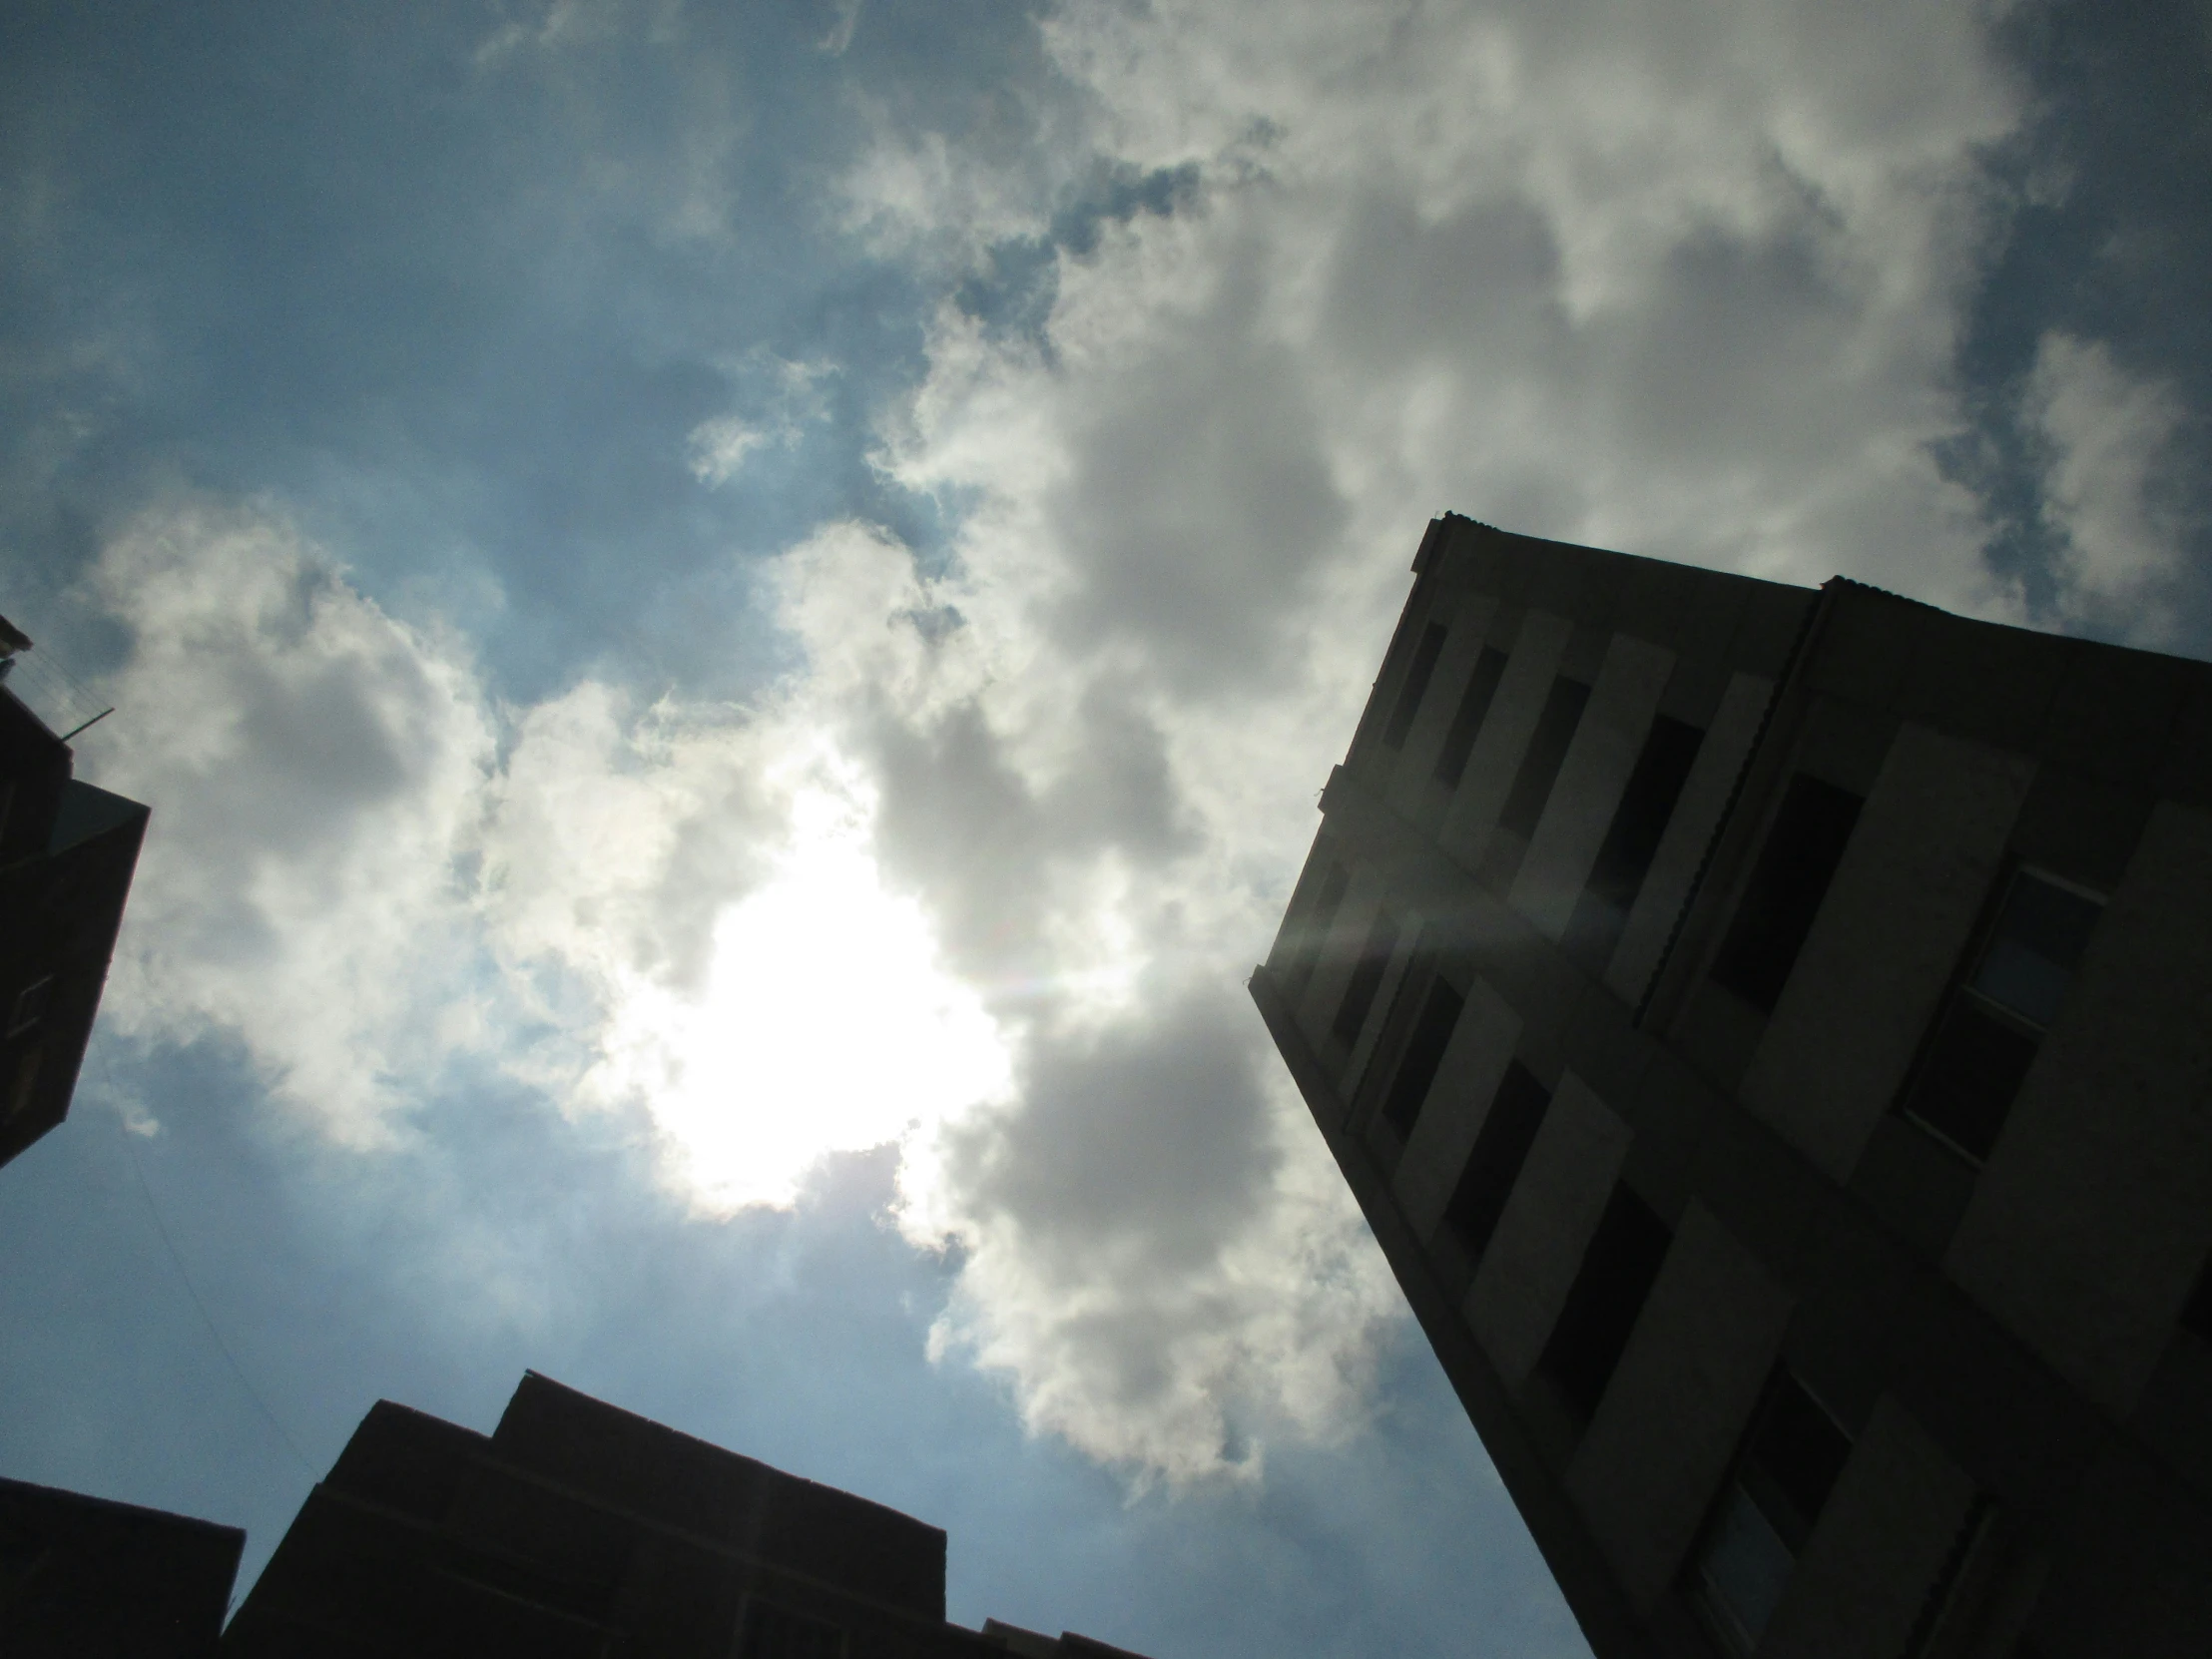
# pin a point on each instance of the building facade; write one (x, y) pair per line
(86, 1578)
(68, 851)
(577, 1529)
(1770, 1031)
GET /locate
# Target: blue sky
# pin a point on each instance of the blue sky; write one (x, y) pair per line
(731, 617)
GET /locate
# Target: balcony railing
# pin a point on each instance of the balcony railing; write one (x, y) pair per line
(61, 703)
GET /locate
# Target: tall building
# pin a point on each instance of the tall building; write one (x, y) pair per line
(1770, 1032)
(576, 1528)
(67, 854)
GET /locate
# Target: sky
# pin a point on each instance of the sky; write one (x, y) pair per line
(732, 617)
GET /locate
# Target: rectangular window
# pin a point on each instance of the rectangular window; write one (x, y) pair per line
(1647, 804)
(1367, 978)
(1767, 1511)
(1547, 750)
(1500, 1149)
(773, 1632)
(1415, 687)
(2035, 946)
(30, 1005)
(2196, 1314)
(1311, 937)
(1633, 840)
(1466, 723)
(1787, 886)
(1988, 1037)
(1423, 1053)
(1606, 1300)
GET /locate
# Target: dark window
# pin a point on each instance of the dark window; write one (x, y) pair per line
(1624, 858)
(1987, 1035)
(1466, 723)
(1509, 1131)
(1416, 686)
(773, 1632)
(30, 1005)
(1608, 1295)
(1935, 1619)
(1424, 1052)
(1547, 749)
(2196, 1316)
(2034, 948)
(1632, 840)
(1786, 890)
(1795, 1452)
(1367, 978)
(1766, 1509)
(1311, 937)
(1966, 1081)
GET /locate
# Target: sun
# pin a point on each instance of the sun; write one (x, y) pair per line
(828, 1022)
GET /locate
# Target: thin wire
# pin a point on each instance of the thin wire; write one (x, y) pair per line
(153, 1210)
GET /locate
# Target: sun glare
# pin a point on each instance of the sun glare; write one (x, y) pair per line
(826, 1024)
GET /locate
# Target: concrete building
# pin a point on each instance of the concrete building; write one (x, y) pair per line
(1770, 1031)
(84, 1578)
(577, 1529)
(67, 854)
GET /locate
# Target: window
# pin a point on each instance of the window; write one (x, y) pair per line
(1632, 840)
(1500, 1149)
(1948, 1601)
(773, 1632)
(30, 1005)
(1647, 804)
(1767, 1508)
(1605, 1302)
(1415, 687)
(1313, 938)
(1547, 750)
(1423, 1053)
(1367, 978)
(1466, 723)
(2196, 1314)
(1787, 886)
(1987, 1035)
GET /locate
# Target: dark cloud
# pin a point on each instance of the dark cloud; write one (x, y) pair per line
(958, 823)
(965, 824)
(1201, 496)
(1137, 1154)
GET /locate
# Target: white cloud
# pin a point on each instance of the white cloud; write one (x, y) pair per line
(718, 447)
(315, 769)
(845, 18)
(2111, 443)
(548, 26)
(672, 909)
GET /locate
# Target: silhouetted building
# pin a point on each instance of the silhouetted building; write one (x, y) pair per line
(576, 1528)
(67, 853)
(1770, 1032)
(83, 1578)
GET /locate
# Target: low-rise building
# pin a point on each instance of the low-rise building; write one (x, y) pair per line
(577, 1529)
